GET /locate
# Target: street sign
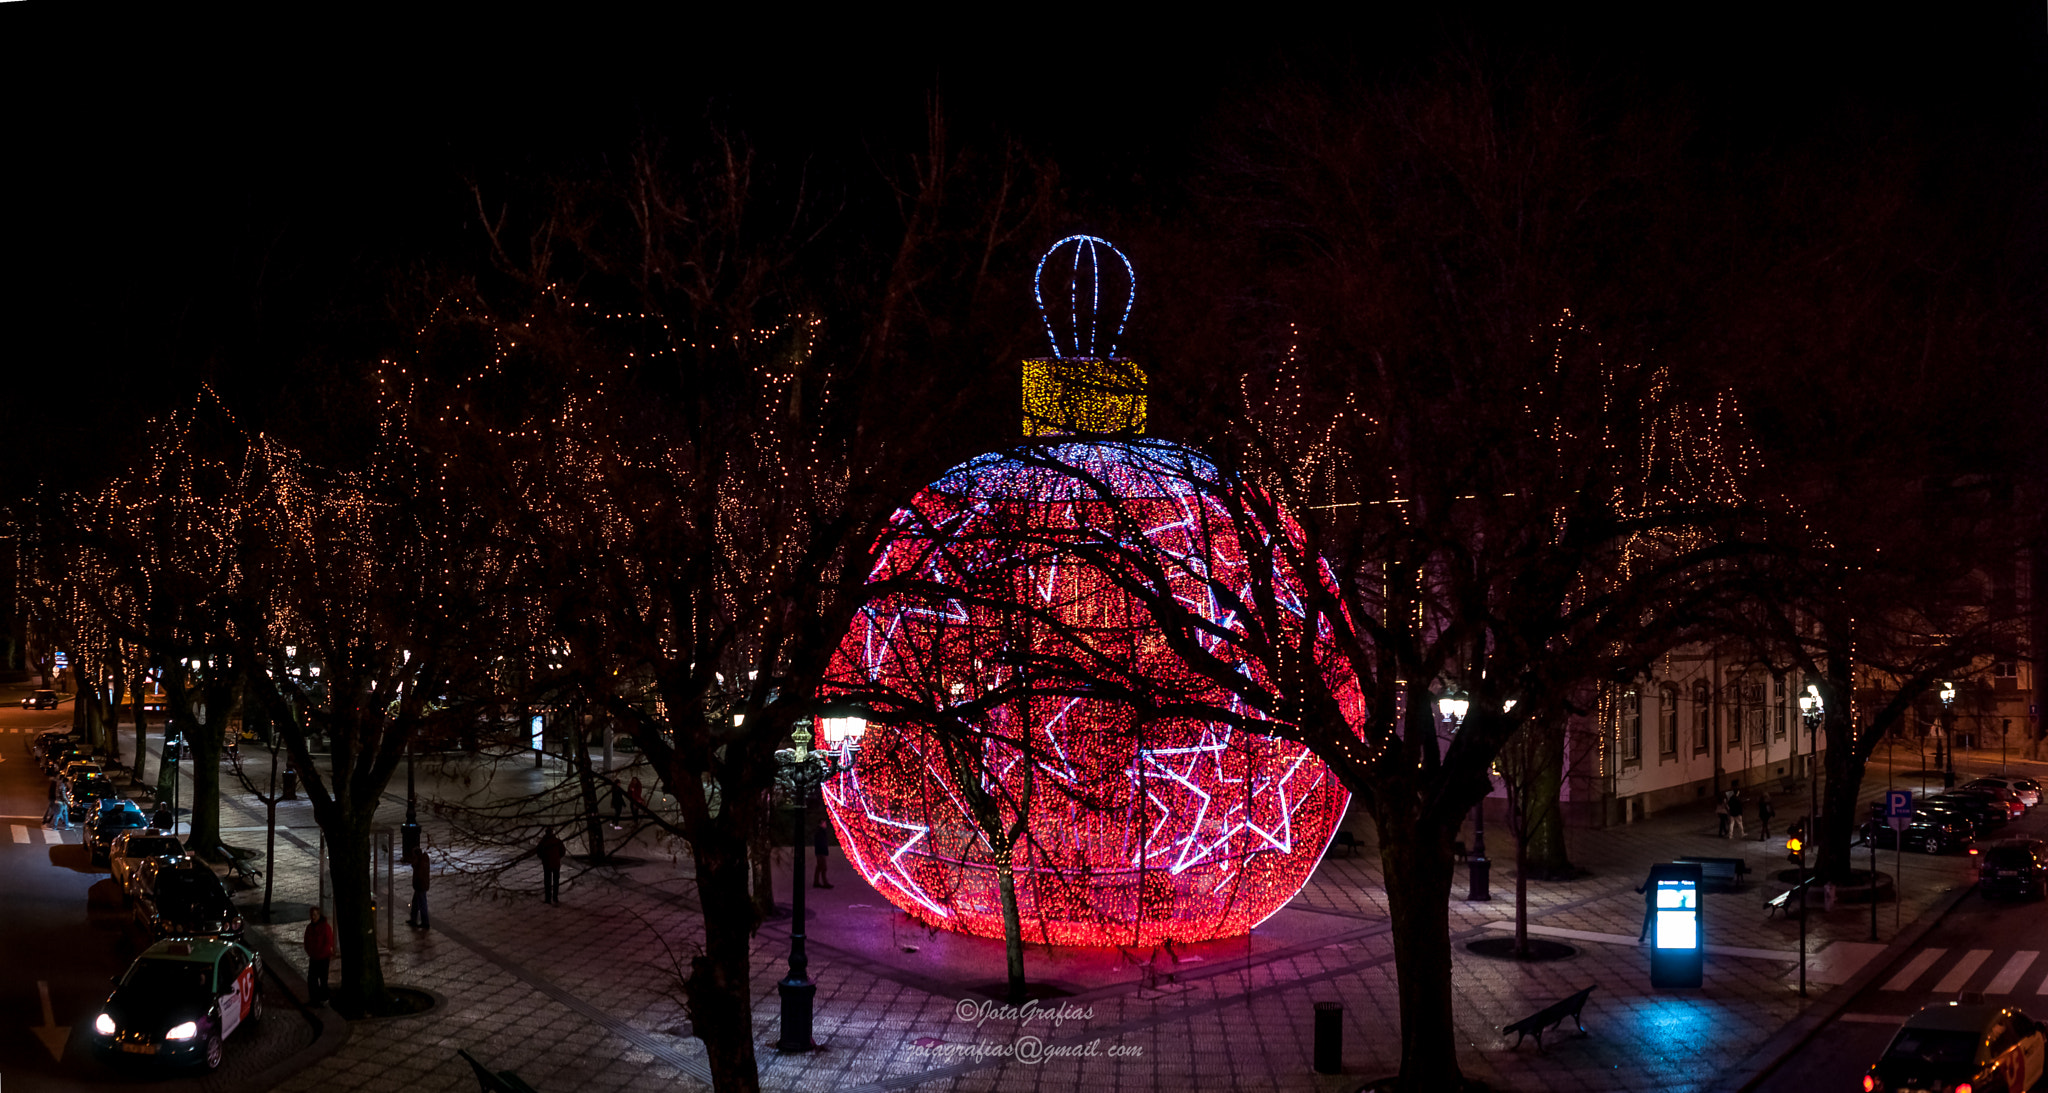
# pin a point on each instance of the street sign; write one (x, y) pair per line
(1898, 808)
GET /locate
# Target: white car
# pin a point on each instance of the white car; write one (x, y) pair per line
(2026, 790)
(135, 847)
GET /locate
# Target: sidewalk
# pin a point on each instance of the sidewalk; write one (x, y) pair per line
(585, 995)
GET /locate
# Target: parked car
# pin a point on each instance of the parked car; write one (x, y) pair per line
(1985, 815)
(1949, 1044)
(43, 699)
(1926, 833)
(185, 899)
(132, 848)
(84, 795)
(63, 755)
(180, 1001)
(75, 769)
(2014, 807)
(2014, 867)
(109, 824)
(2026, 789)
(50, 739)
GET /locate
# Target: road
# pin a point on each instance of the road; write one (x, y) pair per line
(63, 935)
(1993, 948)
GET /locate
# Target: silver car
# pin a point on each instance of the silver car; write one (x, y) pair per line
(134, 848)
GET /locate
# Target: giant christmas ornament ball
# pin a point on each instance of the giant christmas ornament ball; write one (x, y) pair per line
(1138, 831)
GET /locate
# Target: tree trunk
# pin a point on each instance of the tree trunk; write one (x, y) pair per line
(593, 824)
(1013, 923)
(136, 692)
(1521, 895)
(1545, 845)
(203, 738)
(717, 991)
(1844, 761)
(761, 849)
(1415, 854)
(355, 919)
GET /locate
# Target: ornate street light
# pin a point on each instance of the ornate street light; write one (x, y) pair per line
(807, 770)
(1810, 709)
(1948, 734)
(1454, 705)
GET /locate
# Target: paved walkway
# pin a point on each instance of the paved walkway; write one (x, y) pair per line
(585, 995)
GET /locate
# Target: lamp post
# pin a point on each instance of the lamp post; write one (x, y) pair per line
(1454, 705)
(1810, 708)
(807, 770)
(1948, 735)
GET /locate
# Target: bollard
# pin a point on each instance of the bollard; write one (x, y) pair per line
(1329, 1037)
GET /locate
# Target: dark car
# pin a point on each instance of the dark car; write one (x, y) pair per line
(2004, 798)
(40, 700)
(83, 795)
(2015, 867)
(1926, 833)
(179, 1001)
(50, 739)
(135, 849)
(184, 899)
(2026, 789)
(63, 755)
(1949, 1044)
(1984, 814)
(109, 824)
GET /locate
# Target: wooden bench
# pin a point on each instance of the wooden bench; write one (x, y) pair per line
(1346, 841)
(1719, 870)
(241, 872)
(503, 1081)
(1549, 1017)
(1782, 901)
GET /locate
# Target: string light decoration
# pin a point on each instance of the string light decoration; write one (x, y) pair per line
(1117, 821)
(1089, 391)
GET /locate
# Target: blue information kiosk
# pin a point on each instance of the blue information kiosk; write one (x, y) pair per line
(1677, 944)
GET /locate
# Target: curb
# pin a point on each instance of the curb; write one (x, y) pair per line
(331, 1031)
(1745, 1077)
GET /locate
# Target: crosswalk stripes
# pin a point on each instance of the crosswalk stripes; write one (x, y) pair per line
(1914, 969)
(1961, 973)
(2008, 977)
(20, 833)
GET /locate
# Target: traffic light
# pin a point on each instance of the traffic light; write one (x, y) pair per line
(1795, 845)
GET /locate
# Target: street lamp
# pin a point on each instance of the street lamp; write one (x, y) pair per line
(1948, 735)
(807, 771)
(1810, 708)
(1454, 706)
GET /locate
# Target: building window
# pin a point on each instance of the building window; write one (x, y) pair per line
(1667, 720)
(1632, 725)
(1783, 711)
(2005, 669)
(1702, 716)
(1751, 708)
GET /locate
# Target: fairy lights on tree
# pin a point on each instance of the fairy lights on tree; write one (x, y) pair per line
(1027, 758)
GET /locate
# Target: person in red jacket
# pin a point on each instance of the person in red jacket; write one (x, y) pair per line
(319, 950)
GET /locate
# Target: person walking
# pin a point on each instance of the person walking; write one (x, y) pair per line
(551, 852)
(618, 801)
(319, 951)
(55, 809)
(821, 842)
(1736, 805)
(1721, 814)
(422, 875)
(1764, 812)
(1649, 892)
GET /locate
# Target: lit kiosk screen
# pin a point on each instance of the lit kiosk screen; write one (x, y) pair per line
(1678, 915)
(1678, 949)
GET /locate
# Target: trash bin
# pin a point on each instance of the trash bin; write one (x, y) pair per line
(1329, 1037)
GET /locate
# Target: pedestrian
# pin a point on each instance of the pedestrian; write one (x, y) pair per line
(422, 875)
(1736, 805)
(1649, 892)
(1721, 814)
(618, 804)
(821, 842)
(1764, 812)
(50, 812)
(638, 794)
(551, 853)
(163, 819)
(319, 950)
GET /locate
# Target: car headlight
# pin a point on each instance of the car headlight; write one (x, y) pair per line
(104, 1025)
(184, 1031)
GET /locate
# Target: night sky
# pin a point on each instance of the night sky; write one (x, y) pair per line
(204, 197)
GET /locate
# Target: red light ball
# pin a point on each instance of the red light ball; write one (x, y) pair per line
(1135, 831)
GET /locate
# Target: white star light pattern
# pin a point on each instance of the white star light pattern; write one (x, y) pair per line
(1134, 833)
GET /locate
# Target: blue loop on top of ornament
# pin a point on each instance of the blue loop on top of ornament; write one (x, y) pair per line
(1085, 290)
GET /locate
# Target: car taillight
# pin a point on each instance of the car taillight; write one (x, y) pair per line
(1963, 1087)
(1870, 1084)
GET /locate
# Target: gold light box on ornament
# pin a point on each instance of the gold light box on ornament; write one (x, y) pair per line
(1083, 396)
